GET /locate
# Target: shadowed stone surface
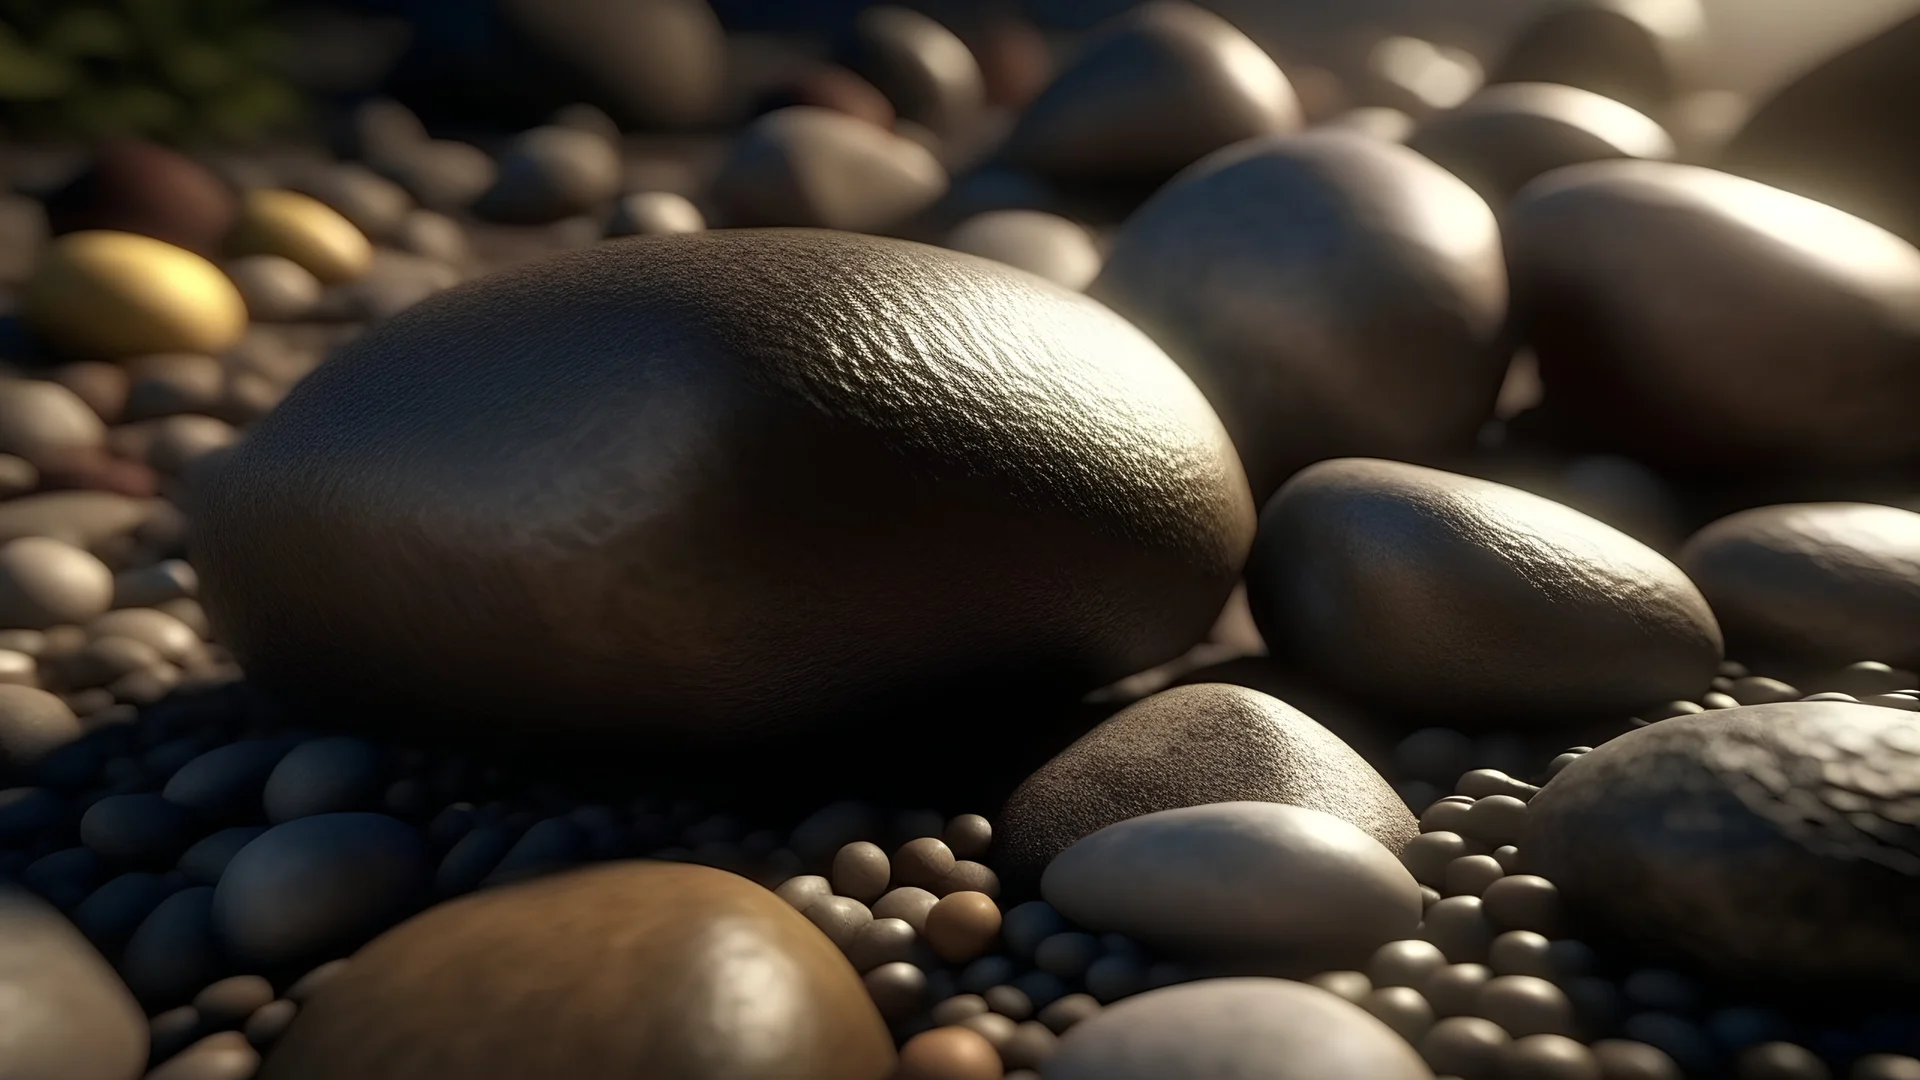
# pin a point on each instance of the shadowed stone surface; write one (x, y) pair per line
(68, 1016)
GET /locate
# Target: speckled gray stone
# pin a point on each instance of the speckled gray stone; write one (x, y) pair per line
(1769, 843)
(1187, 746)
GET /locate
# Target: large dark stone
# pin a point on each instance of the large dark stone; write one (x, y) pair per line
(1703, 322)
(1776, 845)
(732, 486)
(643, 969)
(68, 1016)
(511, 63)
(1154, 91)
(1813, 585)
(1330, 293)
(1844, 133)
(1449, 597)
(1189, 746)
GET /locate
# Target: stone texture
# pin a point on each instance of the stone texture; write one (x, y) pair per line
(1446, 596)
(1774, 845)
(819, 168)
(1186, 747)
(1269, 1028)
(766, 451)
(69, 1017)
(1330, 293)
(1809, 585)
(602, 974)
(1794, 347)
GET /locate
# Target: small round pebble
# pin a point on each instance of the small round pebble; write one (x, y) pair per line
(33, 724)
(1351, 985)
(949, 1053)
(1522, 952)
(1469, 1047)
(987, 972)
(333, 775)
(804, 891)
(1780, 1061)
(1455, 989)
(1548, 1057)
(959, 1007)
(841, 918)
(1524, 902)
(1009, 1001)
(1470, 875)
(923, 863)
(45, 582)
(861, 871)
(1481, 783)
(1067, 955)
(654, 213)
(969, 876)
(962, 925)
(223, 1056)
(142, 830)
(1885, 1067)
(310, 983)
(995, 1028)
(1401, 1008)
(1428, 855)
(968, 836)
(1111, 978)
(1405, 963)
(898, 989)
(1525, 1005)
(1068, 1011)
(1042, 988)
(275, 288)
(173, 1031)
(1624, 1059)
(908, 904)
(882, 941)
(230, 1001)
(1496, 820)
(1460, 928)
(1030, 1047)
(1449, 815)
(1677, 1036)
(269, 1022)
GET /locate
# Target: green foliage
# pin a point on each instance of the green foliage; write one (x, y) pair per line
(183, 71)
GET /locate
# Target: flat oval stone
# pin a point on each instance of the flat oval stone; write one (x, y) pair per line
(69, 1017)
(1813, 584)
(135, 186)
(375, 204)
(168, 384)
(1270, 1028)
(549, 174)
(316, 888)
(276, 288)
(139, 830)
(1189, 746)
(1257, 886)
(1117, 553)
(224, 784)
(1153, 91)
(1641, 52)
(304, 229)
(926, 72)
(1793, 349)
(207, 860)
(819, 168)
(33, 724)
(1330, 293)
(174, 953)
(1771, 845)
(1059, 250)
(325, 776)
(654, 213)
(1451, 597)
(44, 421)
(90, 520)
(113, 294)
(45, 582)
(1507, 135)
(713, 976)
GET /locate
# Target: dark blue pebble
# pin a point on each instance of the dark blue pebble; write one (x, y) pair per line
(204, 862)
(1042, 987)
(1740, 1027)
(174, 953)
(449, 825)
(223, 785)
(550, 845)
(471, 860)
(169, 757)
(335, 775)
(405, 799)
(115, 910)
(74, 766)
(66, 877)
(986, 973)
(1679, 1037)
(144, 831)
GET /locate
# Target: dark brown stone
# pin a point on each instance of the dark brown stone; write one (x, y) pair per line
(139, 187)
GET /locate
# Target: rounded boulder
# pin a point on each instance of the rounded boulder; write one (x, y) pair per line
(742, 482)
(68, 1016)
(1441, 595)
(710, 976)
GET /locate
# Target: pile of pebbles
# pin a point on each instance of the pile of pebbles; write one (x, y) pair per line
(1339, 838)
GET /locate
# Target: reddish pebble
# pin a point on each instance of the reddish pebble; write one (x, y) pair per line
(962, 926)
(949, 1053)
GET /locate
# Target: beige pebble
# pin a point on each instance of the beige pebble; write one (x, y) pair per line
(33, 723)
(17, 476)
(106, 295)
(303, 229)
(44, 583)
(923, 863)
(861, 871)
(224, 1056)
(969, 876)
(188, 611)
(27, 642)
(179, 441)
(908, 904)
(168, 384)
(175, 640)
(44, 422)
(146, 686)
(276, 288)
(103, 386)
(108, 659)
(145, 586)
(18, 669)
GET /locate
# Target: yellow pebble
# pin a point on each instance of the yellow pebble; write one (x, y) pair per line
(303, 229)
(107, 295)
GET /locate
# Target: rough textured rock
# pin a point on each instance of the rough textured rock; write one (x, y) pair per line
(1843, 134)
(1269, 1028)
(819, 168)
(926, 72)
(1186, 747)
(731, 409)
(1641, 52)
(1770, 844)
(656, 64)
(1796, 345)
(1813, 584)
(69, 1017)
(1257, 887)
(1444, 595)
(1507, 135)
(1154, 91)
(1330, 293)
(709, 975)
(140, 187)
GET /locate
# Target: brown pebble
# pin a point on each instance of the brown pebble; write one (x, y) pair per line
(949, 1053)
(225, 1056)
(1401, 1008)
(269, 1022)
(1405, 963)
(230, 1001)
(1781, 1061)
(1030, 1047)
(1352, 985)
(103, 386)
(804, 891)
(18, 476)
(969, 876)
(312, 981)
(1624, 1059)
(968, 836)
(922, 863)
(995, 1028)
(861, 871)
(1885, 1067)
(962, 925)
(959, 1007)
(1070, 1010)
